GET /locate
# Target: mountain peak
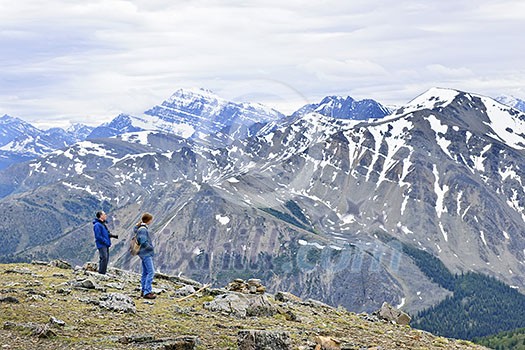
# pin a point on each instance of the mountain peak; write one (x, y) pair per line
(432, 98)
(7, 119)
(193, 92)
(340, 107)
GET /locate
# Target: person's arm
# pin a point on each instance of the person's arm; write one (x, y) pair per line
(98, 232)
(107, 240)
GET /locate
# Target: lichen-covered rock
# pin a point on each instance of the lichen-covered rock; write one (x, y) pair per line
(263, 340)
(118, 302)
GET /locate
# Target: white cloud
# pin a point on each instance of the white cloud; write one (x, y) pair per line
(74, 60)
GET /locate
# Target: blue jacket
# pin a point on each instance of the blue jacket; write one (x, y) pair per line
(101, 234)
(146, 247)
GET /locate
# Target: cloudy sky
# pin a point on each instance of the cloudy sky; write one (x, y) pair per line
(87, 61)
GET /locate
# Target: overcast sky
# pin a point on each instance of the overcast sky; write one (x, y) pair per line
(87, 61)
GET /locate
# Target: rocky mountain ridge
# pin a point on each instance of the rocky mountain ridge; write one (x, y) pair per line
(189, 113)
(51, 305)
(345, 108)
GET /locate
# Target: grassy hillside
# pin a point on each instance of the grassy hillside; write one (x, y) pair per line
(33, 294)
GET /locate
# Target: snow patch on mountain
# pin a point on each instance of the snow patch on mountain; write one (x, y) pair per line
(440, 192)
(99, 195)
(508, 128)
(140, 137)
(85, 148)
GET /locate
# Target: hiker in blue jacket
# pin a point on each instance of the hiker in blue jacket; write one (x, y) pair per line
(102, 240)
(146, 253)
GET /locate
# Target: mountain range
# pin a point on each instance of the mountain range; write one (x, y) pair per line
(317, 205)
(21, 141)
(190, 113)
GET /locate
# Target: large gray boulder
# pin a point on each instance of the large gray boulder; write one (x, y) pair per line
(391, 314)
(241, 305)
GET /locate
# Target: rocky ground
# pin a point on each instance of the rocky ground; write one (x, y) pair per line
(54, 306)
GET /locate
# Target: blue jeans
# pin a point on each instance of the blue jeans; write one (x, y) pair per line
(148, 271)
(103, 260)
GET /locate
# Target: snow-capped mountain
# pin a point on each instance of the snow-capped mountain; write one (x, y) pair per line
(121, 124)
(20, 141)
(195, 113)
(345, 108)
(79, 132)
(315, 205)
(512, 102)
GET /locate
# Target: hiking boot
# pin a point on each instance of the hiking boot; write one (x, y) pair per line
(150, 296)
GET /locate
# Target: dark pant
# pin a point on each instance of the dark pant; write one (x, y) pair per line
(103, 259)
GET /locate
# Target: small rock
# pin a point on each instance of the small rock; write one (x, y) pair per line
(184, 291)
(61, 264)
(84, 284)
(36, 292)
(97, 276)
(158, 291)
(287, 297)
(89, 301)
(91, 266)
(114, 285)
(317, 303)
(263, 340)
(36, 297)
(252, 286)
(182, 343)
(288, 314)
(11, 300)
(64, 291)
(139, 338)
(327, 343)
(56, 321)
(21, 271)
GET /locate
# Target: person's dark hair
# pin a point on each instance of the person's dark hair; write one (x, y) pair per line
(99, 214)
(146, 217)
